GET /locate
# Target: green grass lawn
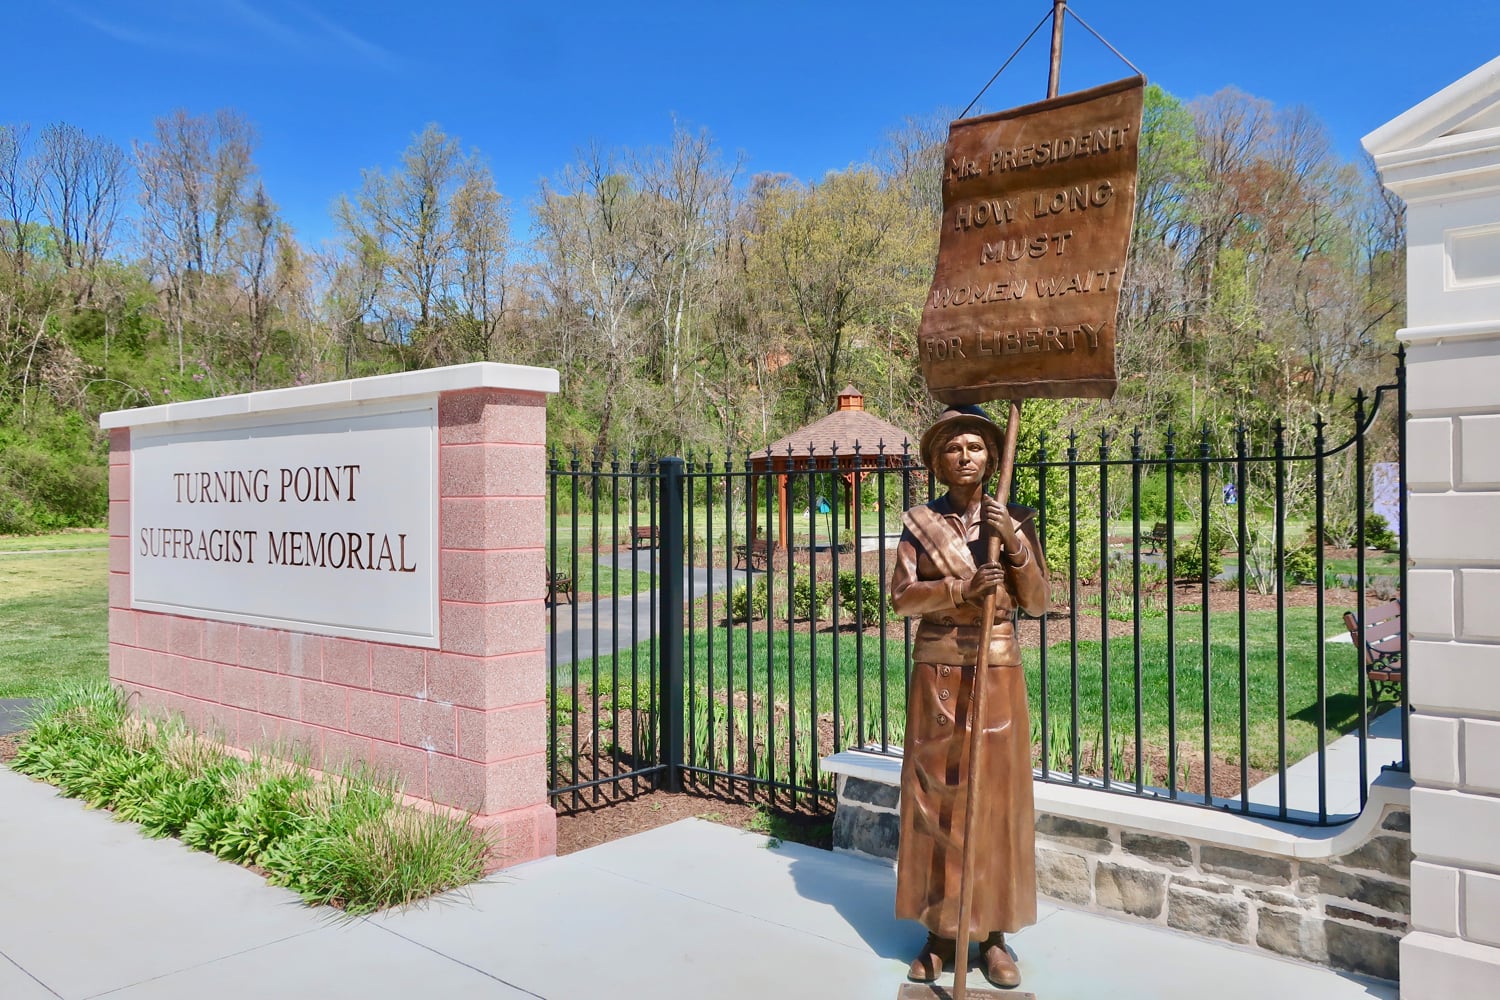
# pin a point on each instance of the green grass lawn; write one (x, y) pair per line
(801, 674)
(81, 539)
(1264, 662)
(1376, 564)
(709, 530)
(597, 580)
(54, 616)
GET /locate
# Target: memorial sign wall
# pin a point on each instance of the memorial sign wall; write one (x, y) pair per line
(352, 574)
(326, 525)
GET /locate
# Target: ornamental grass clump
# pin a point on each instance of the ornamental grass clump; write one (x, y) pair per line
(363, 851)
(344, 840)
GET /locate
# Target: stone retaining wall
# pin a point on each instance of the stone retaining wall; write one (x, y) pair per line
(1339, 898)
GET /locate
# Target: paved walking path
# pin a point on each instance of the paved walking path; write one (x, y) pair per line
(621, 622)
(693, 910)
(1341, 771)
(14, 713)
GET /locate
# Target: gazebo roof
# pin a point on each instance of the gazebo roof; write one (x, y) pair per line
(845, 428)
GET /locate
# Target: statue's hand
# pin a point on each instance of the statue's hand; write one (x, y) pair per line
(985, 579)
(999, 521)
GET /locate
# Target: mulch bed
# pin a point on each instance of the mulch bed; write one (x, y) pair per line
(612, 818)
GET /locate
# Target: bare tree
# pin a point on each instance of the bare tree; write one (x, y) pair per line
(438, 231)
(912, 160)
(589, 230)
(687, 200)
(481, 246)
(19, 197)
(351, 277)
(267, 265)
(193, 193)
(81, 179)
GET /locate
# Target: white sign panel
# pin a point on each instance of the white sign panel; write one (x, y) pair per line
(321, 524)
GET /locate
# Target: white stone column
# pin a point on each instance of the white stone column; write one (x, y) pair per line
(1443, 158)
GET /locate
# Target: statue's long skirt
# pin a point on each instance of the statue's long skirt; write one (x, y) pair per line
(933, 777)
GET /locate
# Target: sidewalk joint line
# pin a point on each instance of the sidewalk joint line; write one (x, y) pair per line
(27, 972)
(721, 906)
(457, 961)
(211, 961)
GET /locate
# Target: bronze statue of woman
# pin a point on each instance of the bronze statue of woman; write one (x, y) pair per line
(941, 575)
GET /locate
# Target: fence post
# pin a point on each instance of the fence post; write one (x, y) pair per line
(670, 565)
(1402, 520)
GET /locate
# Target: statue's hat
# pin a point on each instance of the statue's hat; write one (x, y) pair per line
(962, 420)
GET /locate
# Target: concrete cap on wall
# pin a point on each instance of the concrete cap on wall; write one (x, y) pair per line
(453, 378)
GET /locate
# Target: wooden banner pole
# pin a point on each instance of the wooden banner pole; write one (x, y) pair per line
(976, 707)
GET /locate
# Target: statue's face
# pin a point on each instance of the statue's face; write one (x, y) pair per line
(961, 460)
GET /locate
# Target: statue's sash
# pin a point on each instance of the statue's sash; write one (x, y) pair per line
(945, 547)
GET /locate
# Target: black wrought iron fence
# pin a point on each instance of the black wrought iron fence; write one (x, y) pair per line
(603, 595)
(725, 622)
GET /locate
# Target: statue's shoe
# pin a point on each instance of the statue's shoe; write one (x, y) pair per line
(999, 967)
(935, 956)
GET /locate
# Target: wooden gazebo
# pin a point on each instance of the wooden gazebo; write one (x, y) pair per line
(849, 442)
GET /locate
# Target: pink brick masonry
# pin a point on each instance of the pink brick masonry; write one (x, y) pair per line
(462, 726)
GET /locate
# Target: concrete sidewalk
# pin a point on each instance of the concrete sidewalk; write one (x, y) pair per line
(695, 911)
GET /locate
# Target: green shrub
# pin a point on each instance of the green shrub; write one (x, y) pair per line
(53, 474)
(1154, 495)
(1301, 565)
(748, 603)
(1338, 530)
(753, 603)
(809, 599)
(1378, 534)
(859, 597)
(1189, 560)
(1153, 577)
(1221, 538)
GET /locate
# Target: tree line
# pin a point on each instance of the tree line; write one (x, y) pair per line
(687, 304)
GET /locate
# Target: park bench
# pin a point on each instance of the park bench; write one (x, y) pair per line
(559, 585)
(643, 536)
(1381, 648)
(1158, 535)
(754, 554)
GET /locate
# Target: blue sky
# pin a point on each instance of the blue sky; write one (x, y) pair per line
(336, 86)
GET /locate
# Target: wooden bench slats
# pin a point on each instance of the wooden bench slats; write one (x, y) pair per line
(559, 585)
(1380, 647)
(755, 554)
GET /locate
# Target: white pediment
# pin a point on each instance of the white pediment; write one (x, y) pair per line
(1482, 122)
(1451, 141)
(1468, 106)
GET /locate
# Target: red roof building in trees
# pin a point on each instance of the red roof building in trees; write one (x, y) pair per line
(850, 442)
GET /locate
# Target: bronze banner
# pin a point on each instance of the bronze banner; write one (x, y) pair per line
(1038, 204)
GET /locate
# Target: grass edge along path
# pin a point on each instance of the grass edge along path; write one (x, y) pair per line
(72, 540)
(344, 840)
